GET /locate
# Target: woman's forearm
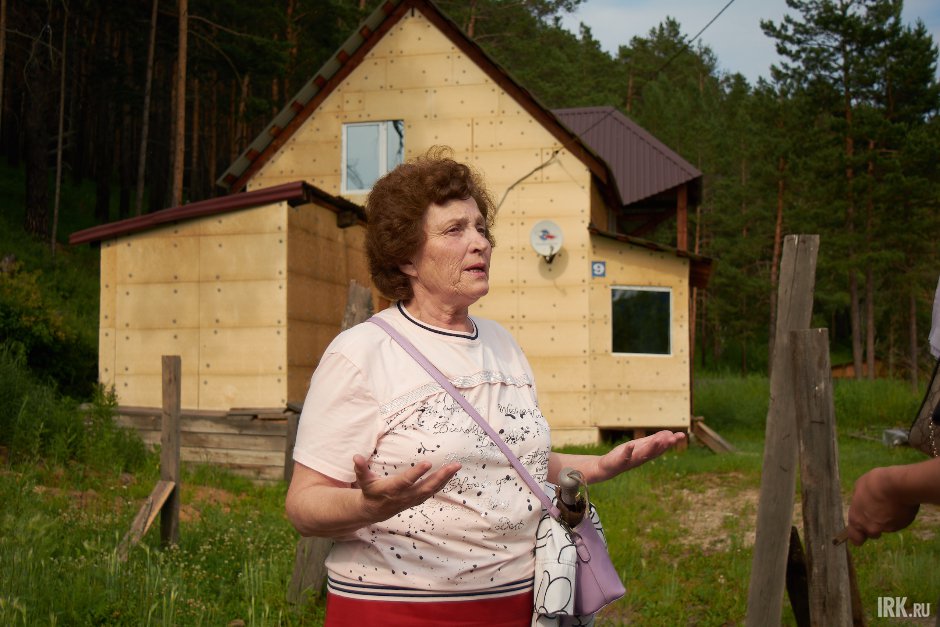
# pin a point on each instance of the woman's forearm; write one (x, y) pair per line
(326, 511)
(597, 468)
(913, 484)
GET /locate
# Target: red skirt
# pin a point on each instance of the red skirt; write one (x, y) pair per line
(505, 611)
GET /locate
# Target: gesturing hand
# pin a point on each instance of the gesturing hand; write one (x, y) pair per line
(636, 452)
(383, 497)
(874, 509)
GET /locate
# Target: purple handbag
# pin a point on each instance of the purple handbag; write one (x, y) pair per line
(597, 582)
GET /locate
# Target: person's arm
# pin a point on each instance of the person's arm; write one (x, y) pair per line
(318, 505)
(597, 468)
(888, 498)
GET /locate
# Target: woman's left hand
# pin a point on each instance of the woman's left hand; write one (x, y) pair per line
(636, 453)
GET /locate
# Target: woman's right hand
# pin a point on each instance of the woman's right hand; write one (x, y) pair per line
(385, 496)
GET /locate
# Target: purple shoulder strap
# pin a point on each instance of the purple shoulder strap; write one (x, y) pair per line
(450, 389)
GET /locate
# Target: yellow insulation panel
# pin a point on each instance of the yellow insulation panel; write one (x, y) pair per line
(261, 256)
(157, 306)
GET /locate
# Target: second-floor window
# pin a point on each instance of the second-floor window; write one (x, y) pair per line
(370, 150)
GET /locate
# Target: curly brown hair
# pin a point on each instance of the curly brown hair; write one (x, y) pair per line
(396, 207)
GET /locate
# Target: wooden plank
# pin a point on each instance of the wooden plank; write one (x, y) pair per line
(206, 424)
(232, 456)
(309, 569)
(145, 517)
(829, 592)
(214, 441)
(170, 449)
(710, 438)
(778, 473)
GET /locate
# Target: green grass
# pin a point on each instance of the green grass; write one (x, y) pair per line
(681, 530)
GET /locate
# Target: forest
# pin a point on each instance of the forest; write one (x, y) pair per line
(149, 102)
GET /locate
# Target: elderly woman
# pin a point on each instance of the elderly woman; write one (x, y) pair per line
(432, 525)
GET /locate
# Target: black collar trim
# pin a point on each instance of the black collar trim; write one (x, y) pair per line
(464, 336)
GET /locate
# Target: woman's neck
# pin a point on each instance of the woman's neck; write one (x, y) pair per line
(440, 316)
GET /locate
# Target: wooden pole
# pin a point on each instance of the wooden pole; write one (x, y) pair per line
(829, 593)
(778, 474)
(292, 421)
(309, 566)
(170, 450)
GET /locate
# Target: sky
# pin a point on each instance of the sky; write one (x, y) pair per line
(735, 37)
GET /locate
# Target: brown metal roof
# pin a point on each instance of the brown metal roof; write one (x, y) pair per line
(296, 193)
(641, 164)
(700, 266)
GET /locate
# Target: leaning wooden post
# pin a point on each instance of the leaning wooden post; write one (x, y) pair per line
(778, 473)
(829, 592)
(291, 438)
(170, 450)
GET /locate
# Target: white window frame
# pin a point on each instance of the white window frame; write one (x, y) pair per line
(384, 125)
(643, 288)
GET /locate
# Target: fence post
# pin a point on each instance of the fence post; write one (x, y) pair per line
(170, 450)
(829, 592)
(778, 473)
(309, 567)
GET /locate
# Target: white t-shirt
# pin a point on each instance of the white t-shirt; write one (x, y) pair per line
(368, 396)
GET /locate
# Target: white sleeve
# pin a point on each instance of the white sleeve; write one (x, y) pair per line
(340, 418)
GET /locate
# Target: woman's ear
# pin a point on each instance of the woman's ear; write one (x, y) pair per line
(408, 269)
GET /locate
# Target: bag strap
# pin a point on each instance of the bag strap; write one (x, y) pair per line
(450, 389)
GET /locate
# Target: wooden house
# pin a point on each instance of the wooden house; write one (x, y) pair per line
(249, 288)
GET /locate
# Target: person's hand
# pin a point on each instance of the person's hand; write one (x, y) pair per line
(875, 507)
(383, 497)
(636, 452)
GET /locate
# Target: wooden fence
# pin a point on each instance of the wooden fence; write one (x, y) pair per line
(248, 442)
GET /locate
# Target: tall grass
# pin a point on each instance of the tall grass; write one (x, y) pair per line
(39, 424)
(681, 531)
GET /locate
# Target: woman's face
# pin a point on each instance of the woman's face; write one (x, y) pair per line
(451, 268)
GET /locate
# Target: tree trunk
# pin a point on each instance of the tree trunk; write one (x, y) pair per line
(3, 51)
(870, 321)
(126, 149)
(629, 105)
(179, 125)
(37, 74)
(869, 276)
(472, 20)
(855, 319)
(61, 134)
(775, 260)
(912, 331)
(145, 121)
(849, 155)
(213, 126)
(293, 50)
(195, 173)
(891, 348)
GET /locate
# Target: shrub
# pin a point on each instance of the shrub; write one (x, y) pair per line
(36, 422)
(53, 349)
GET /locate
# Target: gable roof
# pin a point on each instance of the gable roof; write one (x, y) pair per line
(642, 165)
(294, 194)
(352, 53)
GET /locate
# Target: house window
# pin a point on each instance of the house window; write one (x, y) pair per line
(370, 150)
(642, 320)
